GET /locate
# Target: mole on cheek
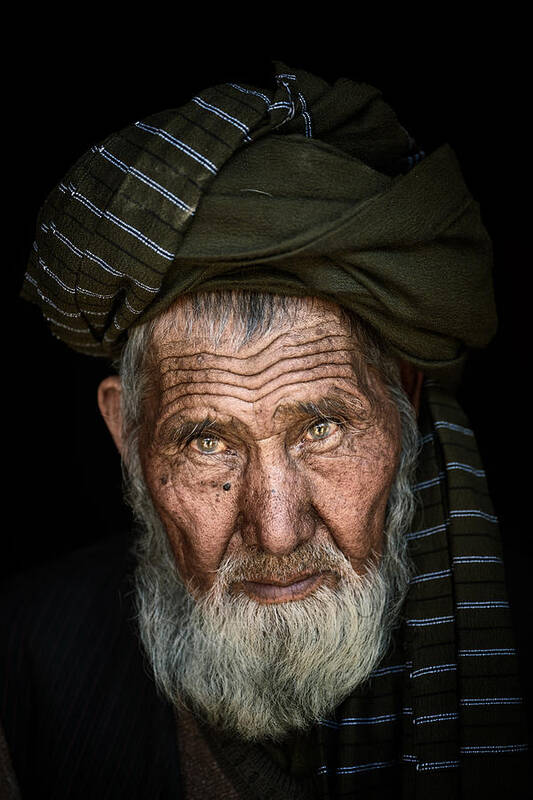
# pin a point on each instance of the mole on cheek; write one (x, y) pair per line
(226, 487)
(164, 479)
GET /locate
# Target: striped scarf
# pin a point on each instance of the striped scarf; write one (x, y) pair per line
(442, 716)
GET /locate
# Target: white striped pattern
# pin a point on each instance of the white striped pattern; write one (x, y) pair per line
(491, 701)
(280, 104)
(452, 465)
(473, 512)
(431, 576)
(495, 748)
(130, 170)
(130, 307)
(73, 314)
(453, 427)
(484, 604)
(377, 673)
(324, 770)
(428, 718)
(108, 268)
(84, 332)
(46, 268)
(381, 718)
(496, 651)
(95, 294)
(251, 91)
(222, 114)
(185, 148)
(426, 766)
(438, 668)
(306, 116)
(419, 623)
(52, 228)
(426, 532)
(479, 473)
(117, 221)
(97, 260)
(427, 484)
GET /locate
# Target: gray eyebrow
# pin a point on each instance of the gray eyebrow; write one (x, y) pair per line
(175, 431)
(327, 407)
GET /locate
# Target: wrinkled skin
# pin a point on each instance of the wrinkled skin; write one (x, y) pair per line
(262, 471)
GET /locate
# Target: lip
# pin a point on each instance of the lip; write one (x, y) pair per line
(275, 591)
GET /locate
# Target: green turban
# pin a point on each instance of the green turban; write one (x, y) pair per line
(300, 189)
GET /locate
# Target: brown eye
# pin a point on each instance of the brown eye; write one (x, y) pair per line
(208, 445)
(321, 430)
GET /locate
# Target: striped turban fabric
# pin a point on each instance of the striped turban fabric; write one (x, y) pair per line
(303, 188)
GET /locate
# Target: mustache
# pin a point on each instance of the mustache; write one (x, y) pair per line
(253, 564)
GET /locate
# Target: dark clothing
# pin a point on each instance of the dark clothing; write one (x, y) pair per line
(81, 714)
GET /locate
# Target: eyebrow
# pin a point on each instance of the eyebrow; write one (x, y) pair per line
(177, 431)
(341, 406)
(330, 408)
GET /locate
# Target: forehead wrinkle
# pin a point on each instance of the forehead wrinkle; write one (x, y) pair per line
(254, 382)
(209, 393)
(251, 373)
(301, 347)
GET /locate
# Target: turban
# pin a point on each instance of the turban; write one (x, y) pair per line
(305, 188)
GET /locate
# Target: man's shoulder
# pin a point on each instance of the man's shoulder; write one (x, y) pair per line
(74, 568)
(80, 711)
(57, 598)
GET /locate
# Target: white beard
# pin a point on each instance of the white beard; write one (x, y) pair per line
(262, 670)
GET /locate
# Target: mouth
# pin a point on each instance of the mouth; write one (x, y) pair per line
(274, 591)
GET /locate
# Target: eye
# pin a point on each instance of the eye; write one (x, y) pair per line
(208, 445)
(321, 430)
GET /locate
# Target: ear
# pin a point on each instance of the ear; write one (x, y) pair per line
(109, 403)
(412, 379)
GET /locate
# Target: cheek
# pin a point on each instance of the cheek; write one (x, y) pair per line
(198, 515)
(350, 496)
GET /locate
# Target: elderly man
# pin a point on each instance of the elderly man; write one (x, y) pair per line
(313, 605)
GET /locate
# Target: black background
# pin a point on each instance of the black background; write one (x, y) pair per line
(67, 90)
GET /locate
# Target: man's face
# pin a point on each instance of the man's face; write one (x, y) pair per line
(266, 473)
(264, 447)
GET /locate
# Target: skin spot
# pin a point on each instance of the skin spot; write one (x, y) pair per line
(164, 480)
(227, 487)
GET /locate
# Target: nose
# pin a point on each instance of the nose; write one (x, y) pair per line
(277, 513)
